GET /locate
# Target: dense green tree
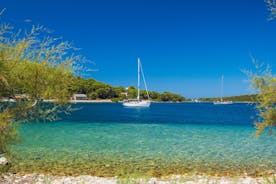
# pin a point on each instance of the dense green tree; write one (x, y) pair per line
(132, 92)
(95, 89)
(154, 95)
(103, 93)
(93, 95)
(167, 96)
(143, 94)
(131, 87)
(121, 89)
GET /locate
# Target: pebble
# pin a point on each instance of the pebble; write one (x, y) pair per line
(3, 161)
(85, 179)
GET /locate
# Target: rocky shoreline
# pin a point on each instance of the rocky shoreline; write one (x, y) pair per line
(35, 178)
(85, 179)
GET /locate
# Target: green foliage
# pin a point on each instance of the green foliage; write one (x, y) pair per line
(265, 83)
(41, 68)
(167, 96)
(7, 131)
(154, 95)
(94, 89)
(38, 80)
(98, 90)
(38, 66)
(132, 92)
(93, 95)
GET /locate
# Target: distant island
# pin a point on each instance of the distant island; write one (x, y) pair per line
(240, 98)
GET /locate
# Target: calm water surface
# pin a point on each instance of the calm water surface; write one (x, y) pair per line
(167, 138)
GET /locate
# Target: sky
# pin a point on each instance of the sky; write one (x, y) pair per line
(185, 46)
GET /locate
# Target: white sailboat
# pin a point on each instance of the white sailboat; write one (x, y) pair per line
(222, 102)
(138, 102)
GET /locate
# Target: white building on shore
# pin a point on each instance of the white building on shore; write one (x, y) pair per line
(80, 97)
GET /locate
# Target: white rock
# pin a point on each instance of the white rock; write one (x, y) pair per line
(3, 161)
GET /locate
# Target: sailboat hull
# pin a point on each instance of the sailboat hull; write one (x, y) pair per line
(136, 103)
(223, 103)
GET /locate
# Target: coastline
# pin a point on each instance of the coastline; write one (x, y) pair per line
(110, 101)
(91, 101)
(85, 101)
(189, 179)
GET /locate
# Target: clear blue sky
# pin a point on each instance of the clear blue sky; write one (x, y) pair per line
(184, 45)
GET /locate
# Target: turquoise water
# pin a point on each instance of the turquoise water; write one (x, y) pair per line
(108, 140)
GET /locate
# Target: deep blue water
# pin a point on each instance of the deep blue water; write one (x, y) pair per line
(169, 113)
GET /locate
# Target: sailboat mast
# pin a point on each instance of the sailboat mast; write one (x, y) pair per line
(221, 92)
(138, 96)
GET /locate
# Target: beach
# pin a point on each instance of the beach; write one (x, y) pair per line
(85, 179)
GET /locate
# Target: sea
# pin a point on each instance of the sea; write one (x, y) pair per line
(107, 139)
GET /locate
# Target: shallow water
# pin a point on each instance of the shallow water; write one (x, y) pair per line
(167, 138)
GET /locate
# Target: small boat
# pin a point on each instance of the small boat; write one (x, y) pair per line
(138, 102)
(221, 101)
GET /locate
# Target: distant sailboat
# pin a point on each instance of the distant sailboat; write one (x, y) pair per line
(138, 102)
(222, 102)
